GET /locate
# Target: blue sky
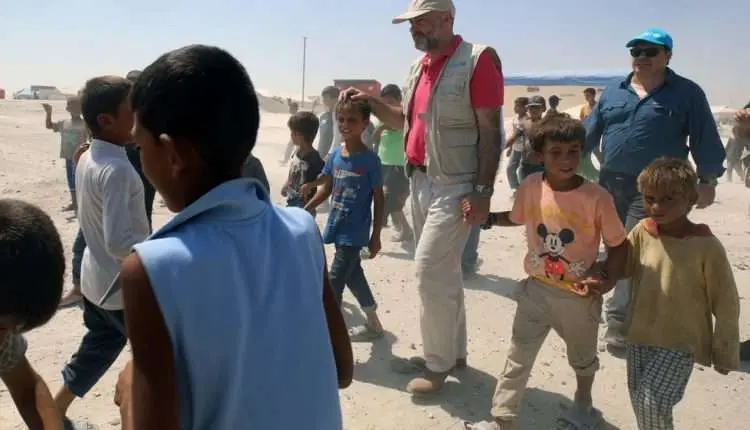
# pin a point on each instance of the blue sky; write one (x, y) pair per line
(65, 42)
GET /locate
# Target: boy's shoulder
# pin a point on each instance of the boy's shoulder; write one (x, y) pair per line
(370, 159)
(313, 157)
(593, 190)
(703, 239)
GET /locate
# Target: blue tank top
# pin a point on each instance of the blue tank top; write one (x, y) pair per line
(239, 282)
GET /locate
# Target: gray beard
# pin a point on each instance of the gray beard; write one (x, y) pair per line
(426, 44)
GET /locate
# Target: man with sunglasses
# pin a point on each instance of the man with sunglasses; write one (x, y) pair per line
(652, 113)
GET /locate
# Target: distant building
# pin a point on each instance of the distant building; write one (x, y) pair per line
(39, 92)
(370, 86)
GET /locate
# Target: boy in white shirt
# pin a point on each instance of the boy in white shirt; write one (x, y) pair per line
(113, 218)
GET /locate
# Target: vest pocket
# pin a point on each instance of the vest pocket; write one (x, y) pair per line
(458, 151)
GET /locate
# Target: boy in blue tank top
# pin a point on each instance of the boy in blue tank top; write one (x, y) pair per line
(223, 336)
(352, 177)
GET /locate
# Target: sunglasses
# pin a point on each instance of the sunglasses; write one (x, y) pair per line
(649, 52)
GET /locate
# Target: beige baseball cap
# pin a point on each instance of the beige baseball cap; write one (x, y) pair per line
(421, 7)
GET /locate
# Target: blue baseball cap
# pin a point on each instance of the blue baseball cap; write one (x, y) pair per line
(656, 36)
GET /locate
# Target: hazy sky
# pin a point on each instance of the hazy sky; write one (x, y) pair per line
(63, 43)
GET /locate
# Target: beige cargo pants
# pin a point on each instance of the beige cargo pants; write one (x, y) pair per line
(440, 235)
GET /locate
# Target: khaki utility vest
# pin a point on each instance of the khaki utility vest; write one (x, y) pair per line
(452, 134)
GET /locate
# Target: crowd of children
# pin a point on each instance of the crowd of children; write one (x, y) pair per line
(193, 373)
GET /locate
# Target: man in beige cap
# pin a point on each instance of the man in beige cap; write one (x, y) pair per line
(451, 116)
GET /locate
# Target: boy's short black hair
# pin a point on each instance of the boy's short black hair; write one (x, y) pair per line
(558, 128)
(330, 92)
(521, 101)
(32, 264)
(359, 106)
(202, 96)
(102, 95)
(589, 91)
(304, 123)
(391, 90)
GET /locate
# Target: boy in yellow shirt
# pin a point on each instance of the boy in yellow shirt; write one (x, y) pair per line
(669, 325)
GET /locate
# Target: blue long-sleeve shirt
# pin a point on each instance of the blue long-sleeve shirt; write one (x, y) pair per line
(635, 131)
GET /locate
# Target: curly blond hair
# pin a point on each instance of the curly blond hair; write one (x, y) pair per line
(669, 176)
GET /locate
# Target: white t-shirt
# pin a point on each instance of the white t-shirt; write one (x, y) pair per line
(112, 216)
(520, 143)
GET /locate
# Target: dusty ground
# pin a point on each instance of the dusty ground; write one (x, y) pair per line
(30, 170)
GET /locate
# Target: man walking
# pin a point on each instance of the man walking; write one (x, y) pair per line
(134, 155)
(452, 119)
(650, 114)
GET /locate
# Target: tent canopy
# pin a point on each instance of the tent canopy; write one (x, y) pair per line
(582, 78)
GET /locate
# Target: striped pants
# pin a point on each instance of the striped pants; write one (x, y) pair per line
(657, 378)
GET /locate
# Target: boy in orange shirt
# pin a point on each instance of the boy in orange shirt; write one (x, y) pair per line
(565, 217)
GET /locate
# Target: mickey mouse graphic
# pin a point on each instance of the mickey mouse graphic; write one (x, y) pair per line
(552, 257)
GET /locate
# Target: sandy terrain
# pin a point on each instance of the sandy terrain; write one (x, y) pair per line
(30, 170)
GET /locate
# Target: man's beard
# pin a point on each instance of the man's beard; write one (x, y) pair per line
(426, 43)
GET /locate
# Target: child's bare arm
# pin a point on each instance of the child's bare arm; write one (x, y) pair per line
(48, 123)
(325, 186)
(378, 200)
(32, 397)
(342, 346)
(616, 264)
(154, 390)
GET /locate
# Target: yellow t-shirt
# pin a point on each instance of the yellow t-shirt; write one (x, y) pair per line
(678, 284)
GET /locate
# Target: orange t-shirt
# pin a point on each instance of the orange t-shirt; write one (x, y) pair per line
(564, 228)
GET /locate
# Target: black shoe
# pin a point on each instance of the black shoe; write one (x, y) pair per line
(745, 350)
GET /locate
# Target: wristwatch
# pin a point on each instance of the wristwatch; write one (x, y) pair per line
(708, 180)
(484, 190)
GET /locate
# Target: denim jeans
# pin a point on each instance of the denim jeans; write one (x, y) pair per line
(514, 164)
(70, 175)
(79, 245)
(629, 206)
(100, 347)
(471, 255)
(346, 271)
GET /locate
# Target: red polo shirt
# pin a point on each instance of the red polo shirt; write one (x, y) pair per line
(486, 88)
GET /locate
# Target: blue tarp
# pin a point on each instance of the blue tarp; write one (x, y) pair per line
(586, 78)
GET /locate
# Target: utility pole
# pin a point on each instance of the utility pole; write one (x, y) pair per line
(304, 67)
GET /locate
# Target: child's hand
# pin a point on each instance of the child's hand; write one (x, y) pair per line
(721, 370)
(304, 190)
(47, 107)
(374, 245)
(465, 207)
(592, 286)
